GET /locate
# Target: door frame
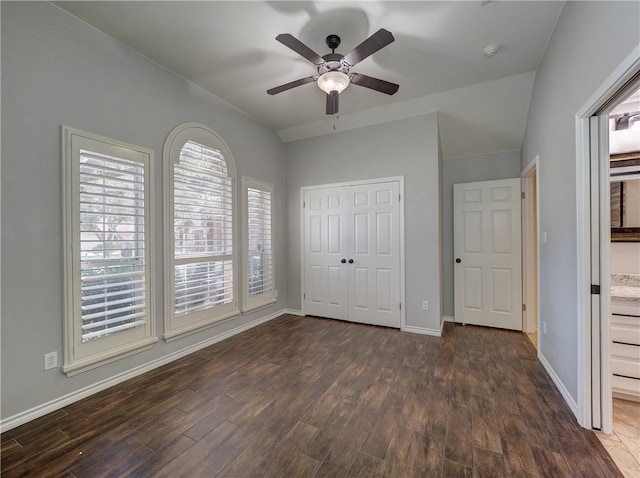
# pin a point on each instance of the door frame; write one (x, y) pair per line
(629, 67)
(400, 180)
(531, 246)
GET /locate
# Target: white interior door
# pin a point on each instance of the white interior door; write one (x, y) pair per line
(325, 248)
(374, 275)
(352, 253)
(487, 250)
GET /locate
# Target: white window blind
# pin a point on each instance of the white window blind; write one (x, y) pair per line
(112, 245)
(203, 229)
(258, 241)
(200, 255)
(108, 250)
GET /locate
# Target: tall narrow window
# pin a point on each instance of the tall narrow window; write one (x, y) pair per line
(200, 255)
(108, 251)
(258, 265)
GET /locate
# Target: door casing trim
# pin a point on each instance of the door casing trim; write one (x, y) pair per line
(529, 263)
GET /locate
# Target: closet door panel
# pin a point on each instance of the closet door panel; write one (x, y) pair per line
(325, 277)
(375, 213)
(352, 253)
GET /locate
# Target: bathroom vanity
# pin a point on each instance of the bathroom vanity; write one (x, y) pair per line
(625, 335)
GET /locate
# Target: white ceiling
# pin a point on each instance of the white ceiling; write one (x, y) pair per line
(229, 49)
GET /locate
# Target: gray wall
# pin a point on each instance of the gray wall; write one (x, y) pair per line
(590, 40)
(485, 167)
(58, 71)
(409, 148)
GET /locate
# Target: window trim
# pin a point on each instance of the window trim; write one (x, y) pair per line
(250, 303)
(78, 356)
(175, 328)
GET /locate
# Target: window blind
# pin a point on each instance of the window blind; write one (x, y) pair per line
(112, 246)
(203, 229)
(259, 241)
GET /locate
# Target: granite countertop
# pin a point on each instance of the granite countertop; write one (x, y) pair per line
(625, 287)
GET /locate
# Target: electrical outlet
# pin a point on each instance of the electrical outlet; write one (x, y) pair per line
(50, 360)
(425, 305)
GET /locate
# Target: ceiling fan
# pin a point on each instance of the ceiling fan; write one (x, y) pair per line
(334, 73)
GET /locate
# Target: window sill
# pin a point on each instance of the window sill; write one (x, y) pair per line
(94, 361)
(189, 329)
(259, 305)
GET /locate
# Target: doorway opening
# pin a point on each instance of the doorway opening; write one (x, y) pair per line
(624, 273)
(594, 408)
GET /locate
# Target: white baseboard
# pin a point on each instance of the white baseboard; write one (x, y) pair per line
(423, 330)
(58, 403)
(292, 312)
(560, 386)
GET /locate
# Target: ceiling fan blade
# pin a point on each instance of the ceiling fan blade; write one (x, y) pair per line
(375, 42)
(374, 83)
(332, 103)
(293, 84)
(300, 48)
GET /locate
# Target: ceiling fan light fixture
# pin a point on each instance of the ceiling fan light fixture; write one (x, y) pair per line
(333, 81)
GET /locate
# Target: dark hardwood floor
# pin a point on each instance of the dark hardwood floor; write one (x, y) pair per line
(321, 398)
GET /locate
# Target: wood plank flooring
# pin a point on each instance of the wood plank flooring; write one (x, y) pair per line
(314, 397)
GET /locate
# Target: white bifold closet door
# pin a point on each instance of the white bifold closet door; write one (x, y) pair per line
(352, 253)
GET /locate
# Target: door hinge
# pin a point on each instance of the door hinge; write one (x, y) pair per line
(522, 194)
(400, 304)
(524, 307)
(399, 197)
(304, 204)
(595, 289)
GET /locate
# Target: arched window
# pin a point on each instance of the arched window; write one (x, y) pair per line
(200, 256)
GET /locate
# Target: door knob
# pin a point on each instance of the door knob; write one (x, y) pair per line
(350, 261)
(343, 261)
(458, 260)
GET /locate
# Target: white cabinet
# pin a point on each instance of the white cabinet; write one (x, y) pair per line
(625, 337)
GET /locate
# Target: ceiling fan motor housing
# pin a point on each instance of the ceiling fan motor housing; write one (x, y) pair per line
(333, 62)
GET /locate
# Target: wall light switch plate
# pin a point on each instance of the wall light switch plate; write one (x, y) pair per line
(425, 305)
